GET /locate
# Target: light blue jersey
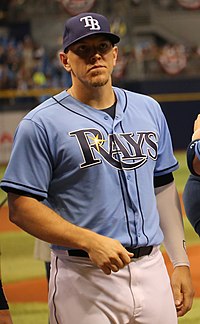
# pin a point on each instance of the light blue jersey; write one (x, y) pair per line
(94, 171)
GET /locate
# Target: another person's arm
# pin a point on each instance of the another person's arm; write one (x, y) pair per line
(192, 187)
(193, 150)
(174, 241)
(191, 194)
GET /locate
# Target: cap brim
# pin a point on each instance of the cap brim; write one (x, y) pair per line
(112, 37)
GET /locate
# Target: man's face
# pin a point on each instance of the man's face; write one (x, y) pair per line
(91, 60)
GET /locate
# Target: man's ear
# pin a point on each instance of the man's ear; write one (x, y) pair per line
(115, 54)
(65, 61)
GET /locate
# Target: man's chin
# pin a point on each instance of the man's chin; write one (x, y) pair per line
(99, 83)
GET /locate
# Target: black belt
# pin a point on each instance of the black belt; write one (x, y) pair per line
(138, 252)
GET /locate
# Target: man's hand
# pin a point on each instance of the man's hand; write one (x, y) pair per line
(182, 288)
(196, 134)
(108, 254)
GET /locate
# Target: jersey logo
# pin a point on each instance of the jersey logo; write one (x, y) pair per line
(121, 151)
(91, 22)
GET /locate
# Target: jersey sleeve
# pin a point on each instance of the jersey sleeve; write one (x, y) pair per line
(166, 161)
(30, 167)
(192, 202)
(197, 148)
(192, 150)
(163, 180)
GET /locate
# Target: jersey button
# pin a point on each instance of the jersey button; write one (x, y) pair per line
(128, 177)
(106, 117)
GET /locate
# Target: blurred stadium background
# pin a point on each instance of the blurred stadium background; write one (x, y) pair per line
(159, 55)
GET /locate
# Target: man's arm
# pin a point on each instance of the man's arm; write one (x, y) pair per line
(171, 223)
(40, 221)
(196, 165)
(191, 201)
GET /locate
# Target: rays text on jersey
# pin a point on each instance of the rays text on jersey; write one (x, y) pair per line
(122, 151)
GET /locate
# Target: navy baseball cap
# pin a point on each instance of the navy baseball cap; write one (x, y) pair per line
(84, 25)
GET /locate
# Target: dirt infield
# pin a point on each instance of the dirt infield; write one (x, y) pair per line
(36, 290)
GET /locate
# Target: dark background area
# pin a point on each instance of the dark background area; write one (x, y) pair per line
(179, 114)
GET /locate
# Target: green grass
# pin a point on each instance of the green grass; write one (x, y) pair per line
(2, 170)
(17, 261)
(29, 313)
(182, 173)
(191, 237)
(192, 317)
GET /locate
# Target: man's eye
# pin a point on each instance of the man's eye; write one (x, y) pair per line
(85, 50)
(103, 47)
(82, 49)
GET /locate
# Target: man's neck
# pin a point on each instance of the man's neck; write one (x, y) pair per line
(98, 97)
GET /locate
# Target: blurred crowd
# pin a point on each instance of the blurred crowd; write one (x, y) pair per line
(27, 65)
(149, 61)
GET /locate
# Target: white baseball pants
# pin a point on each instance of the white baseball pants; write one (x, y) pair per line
(80, 293)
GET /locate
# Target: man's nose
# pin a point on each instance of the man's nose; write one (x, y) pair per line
(93, 51)
(94, 55)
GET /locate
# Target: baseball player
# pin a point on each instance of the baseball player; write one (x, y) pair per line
(91, 172)
(192, 188)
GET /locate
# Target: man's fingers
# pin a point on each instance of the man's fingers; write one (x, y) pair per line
(131, 255)
(183, 302)
(186, 305)
(114, 268)
(197, 123)
(117, 263)
(196, 134)
(178, 296)
(106, 270)
(179, 305)
(126, 257)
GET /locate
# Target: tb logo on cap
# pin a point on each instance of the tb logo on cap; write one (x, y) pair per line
(91, 22)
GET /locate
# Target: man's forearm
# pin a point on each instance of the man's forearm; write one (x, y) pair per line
(171, 223)
(43, 223)
(40, 221)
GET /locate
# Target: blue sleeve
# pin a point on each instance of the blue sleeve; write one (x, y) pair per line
(197, 148)
(30, 165)
(192, 149)
(192, 202)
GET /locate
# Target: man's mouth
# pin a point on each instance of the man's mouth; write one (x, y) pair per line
(96, 67)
